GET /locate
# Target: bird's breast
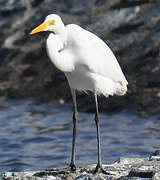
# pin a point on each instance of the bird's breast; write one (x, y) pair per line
(60, 55)
(80, 81)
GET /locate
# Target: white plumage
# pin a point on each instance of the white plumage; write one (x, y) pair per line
(88, 64)
(86, 60)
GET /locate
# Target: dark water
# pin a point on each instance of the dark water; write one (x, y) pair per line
(34, 137)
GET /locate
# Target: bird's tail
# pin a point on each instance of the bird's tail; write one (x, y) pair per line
(107, 86)
(121, 88)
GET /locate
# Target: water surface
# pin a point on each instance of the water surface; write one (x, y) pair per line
(34, 137)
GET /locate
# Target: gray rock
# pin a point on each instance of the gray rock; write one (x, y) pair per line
(123, 169)
(104, 23)
(82, 6)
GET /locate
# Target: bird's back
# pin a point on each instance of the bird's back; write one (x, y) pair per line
(93, 56)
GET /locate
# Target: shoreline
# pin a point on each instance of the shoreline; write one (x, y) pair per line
(123, 169)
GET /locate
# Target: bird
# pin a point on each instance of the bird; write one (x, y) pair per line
(88, 64)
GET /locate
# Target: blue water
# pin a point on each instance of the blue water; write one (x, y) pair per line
(34, 137)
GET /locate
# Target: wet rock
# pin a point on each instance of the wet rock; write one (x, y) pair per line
(155, 156)
(130, 3)
(80, 7)
(156, 176)
(10, 7)
(123, 169)
(104, 23)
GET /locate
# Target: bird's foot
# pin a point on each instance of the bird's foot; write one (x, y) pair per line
(99, 169)
(73, 167)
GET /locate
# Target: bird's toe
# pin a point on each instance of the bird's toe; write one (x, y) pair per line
(99, 169)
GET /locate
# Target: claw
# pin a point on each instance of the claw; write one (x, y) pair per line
(73, 167)
(99, 169)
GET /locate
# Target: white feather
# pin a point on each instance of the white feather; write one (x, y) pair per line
(86, 60)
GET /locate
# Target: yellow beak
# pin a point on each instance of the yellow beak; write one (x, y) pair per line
(42, 27)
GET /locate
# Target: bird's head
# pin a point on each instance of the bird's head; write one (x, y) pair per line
(51, 23)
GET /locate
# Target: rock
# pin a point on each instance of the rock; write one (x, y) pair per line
(156, 176)
(123, 169)
(82, 6)
(155, 156)
(105, 23)
(130, 3)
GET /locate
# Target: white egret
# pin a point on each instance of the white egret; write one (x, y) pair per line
(88, 64)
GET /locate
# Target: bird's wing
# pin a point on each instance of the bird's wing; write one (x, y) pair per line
(92, 53)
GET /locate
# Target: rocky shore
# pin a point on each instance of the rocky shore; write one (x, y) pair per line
(123, 169)
(130, 27)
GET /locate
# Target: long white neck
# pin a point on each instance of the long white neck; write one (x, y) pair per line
(58, 53)
(60, 32)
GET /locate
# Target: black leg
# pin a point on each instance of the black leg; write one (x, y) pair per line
(75, 113)
(99, 164)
